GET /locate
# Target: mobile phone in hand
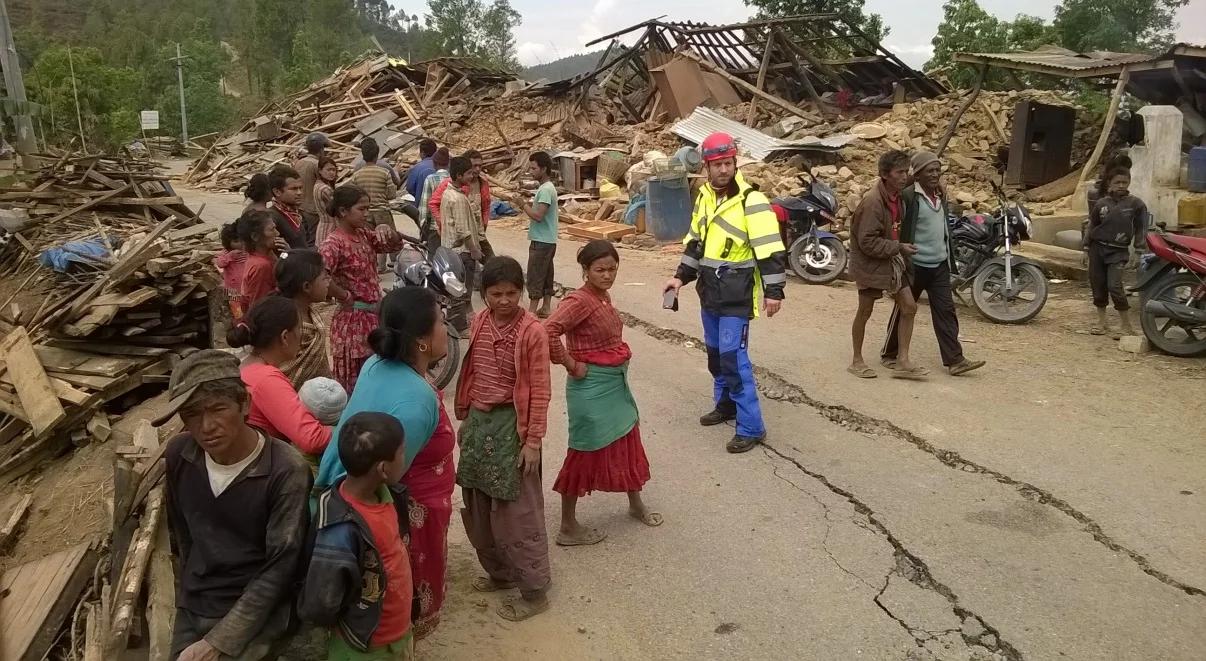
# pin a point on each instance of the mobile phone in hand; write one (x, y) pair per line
(670, 300)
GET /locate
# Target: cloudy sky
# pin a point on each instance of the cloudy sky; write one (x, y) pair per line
(556, 28)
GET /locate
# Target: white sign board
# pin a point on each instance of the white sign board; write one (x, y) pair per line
(150, 120)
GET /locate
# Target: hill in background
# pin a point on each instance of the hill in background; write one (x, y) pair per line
(563, 68)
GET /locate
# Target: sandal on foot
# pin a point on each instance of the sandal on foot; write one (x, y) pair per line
(913, 373)
(889, 363)
(518, 610)
(1097, 330)
(651, 519)
(862, 372)
(588, 538)
(487, 584)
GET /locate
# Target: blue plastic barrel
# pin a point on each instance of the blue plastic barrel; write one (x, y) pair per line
(1197, 170)
(668, 214)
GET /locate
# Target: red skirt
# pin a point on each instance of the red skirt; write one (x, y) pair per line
(618, 468)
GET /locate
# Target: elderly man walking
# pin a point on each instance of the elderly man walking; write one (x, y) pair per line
(924, 225)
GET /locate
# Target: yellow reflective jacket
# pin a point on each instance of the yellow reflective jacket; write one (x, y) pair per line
(735, 249)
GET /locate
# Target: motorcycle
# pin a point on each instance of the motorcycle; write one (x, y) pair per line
(421, 264)
(1005, 288)
(1172, 286)
(816, 256)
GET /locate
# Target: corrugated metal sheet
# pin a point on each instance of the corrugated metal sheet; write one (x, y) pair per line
(750, 142)
(1062, 59)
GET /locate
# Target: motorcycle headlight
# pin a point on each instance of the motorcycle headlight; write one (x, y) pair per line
(453, 285)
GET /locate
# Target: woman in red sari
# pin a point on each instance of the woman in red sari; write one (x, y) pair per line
(605, 451)
(350, 255)
(430, 481)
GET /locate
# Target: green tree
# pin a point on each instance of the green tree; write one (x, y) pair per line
(498, 35)
(108, 96)
(454, 25)
(852, 10)
(966, 26)
(1117, 25)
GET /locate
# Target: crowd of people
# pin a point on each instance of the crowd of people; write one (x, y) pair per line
(314, 478)
(312, 484)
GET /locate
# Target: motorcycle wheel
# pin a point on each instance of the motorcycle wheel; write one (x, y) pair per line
(443, 371)
(988, 293)
(1169, 335)
(821, 265)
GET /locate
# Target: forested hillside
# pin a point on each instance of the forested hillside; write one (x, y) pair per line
(565, 67)
(122, 51)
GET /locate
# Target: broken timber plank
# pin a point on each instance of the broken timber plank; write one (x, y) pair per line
(37, 395)
(161, 597)
(129, 585)
(39, 596)
(600, 230)
(8, 534)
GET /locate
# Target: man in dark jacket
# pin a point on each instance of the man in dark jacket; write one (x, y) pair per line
(286, 186)
(930, 267)
(237, 504)
(877, 264)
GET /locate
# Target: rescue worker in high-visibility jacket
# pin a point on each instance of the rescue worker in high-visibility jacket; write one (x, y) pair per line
(734, 249)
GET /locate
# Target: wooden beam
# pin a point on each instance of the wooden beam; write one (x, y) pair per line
(1111, 115)
(761, 84)
(996, 122)
(800, 71)
(38, 397)
(8, 534)
(971, 98)
(129, 585)
(161, 598)
(769, 98)
(87, 205)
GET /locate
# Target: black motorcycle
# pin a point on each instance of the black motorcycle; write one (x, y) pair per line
(817, 256)
(421, 264)
(1005, 288)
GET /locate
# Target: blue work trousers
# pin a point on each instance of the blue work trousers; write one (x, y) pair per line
(732, 371)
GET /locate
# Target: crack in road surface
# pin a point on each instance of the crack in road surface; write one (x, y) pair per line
(907, 565)
(776, 387)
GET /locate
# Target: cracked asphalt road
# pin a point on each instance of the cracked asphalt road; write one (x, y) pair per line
(1050, 506)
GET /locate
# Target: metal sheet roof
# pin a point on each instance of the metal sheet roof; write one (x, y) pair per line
(1063, 62)
(751, 142)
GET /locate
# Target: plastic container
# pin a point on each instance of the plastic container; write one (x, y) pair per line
(668, 214)
(1197, 170)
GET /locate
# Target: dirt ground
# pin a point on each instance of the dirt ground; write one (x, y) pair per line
(1047, 506)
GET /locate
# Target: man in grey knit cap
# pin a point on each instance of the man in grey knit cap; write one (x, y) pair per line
(924, 225)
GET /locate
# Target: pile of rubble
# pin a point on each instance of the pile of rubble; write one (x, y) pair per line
(379, 97)
(972, 156)
(104, 273)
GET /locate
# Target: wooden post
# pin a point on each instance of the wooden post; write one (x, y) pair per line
(971, 98)
(1107, 127)
(800, 71)
(766, 56)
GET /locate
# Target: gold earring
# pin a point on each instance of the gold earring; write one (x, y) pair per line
(423, 348)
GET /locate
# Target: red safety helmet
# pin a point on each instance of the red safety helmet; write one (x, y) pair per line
(717, 147)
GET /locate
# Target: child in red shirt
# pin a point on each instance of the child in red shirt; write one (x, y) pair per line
(258, 234)
(359, 577)
(232, 264)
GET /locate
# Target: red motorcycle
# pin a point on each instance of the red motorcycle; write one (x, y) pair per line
(1172, 286)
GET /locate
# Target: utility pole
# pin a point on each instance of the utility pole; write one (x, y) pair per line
(15, 86)
(75, 92)
(179, 60)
